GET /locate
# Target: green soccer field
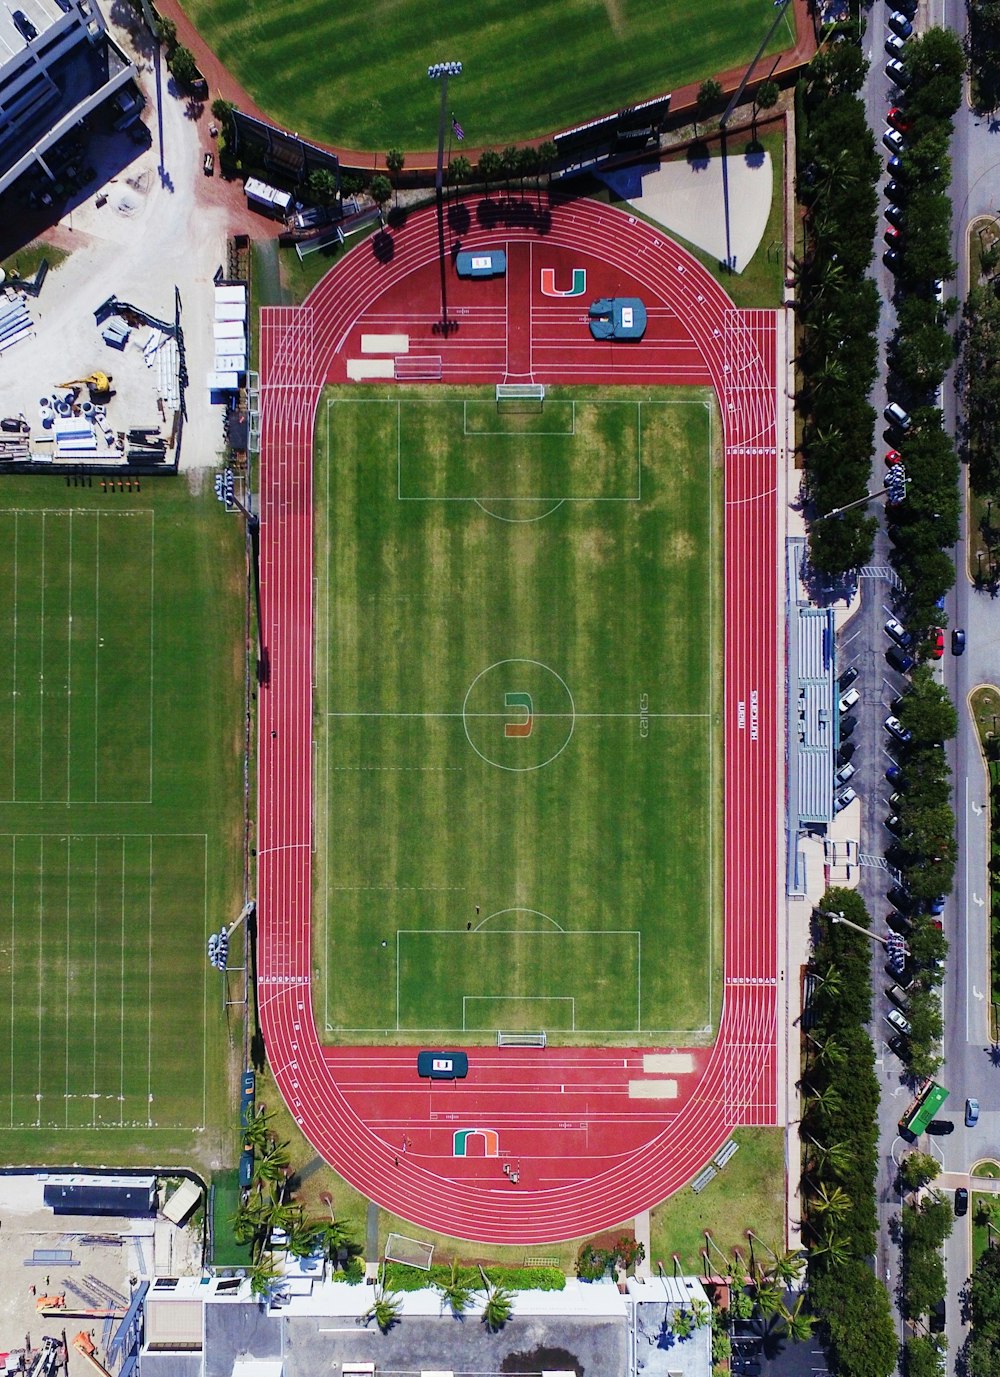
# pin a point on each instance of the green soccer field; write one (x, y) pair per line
(354, 75)
(519, 775)
(120, 732)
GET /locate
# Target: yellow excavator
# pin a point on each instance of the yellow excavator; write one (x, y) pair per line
(99, 384)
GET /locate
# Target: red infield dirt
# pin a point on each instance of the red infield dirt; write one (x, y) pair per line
(572, 1125)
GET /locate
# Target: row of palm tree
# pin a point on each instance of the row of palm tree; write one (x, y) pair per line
(509, 165)
(767, 1282)
(387, 1306)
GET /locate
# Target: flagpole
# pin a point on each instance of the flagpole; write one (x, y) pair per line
(441, 71)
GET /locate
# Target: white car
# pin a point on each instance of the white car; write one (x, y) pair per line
(898, 1021)
(898, 632)
(895, 728)
(845, 797)
(894, 45)
(844, 774)
(893, 140)
(851, 697)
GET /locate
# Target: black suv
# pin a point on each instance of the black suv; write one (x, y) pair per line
(24, 26)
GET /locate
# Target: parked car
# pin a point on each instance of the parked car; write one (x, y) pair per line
(899, 24)
(899, 120)
(897, 73)
(957, 641)
(937, 643)
(941, 1127)
(895, 215)
(936, 906)
(847, 678)
(894, 141)
(847, 726)
(893, 235)
(894, 191)
(845, 797)
(849, 699)
(900, 925)
(898, 1021)
(895, 166)
(898, 632)
(897, 417)
(208, 164)
(894, 45)
(893, 260)
(961, 1201)
(847, 749)
(900, 660)
(900, 898)
(938, 1319)
(895, 775)
(844, 774)
(24, 26)
(900, 1046)
(893, 825)
(898, 996)
(907, 7)
(895, 728)
(971, 1113)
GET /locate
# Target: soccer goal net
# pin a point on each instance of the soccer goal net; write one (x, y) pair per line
(520, 396)
(410, 1251)
(522, 1039)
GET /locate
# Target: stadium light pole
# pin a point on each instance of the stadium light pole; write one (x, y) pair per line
(780, 7)
(441, 71)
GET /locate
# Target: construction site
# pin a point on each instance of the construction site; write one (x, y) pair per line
(80, 1254)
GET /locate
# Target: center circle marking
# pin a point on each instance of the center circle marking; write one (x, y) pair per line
(529, 732)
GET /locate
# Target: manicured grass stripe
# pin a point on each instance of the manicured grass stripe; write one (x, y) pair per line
(355, 76)
(618, 600)
(104, 893)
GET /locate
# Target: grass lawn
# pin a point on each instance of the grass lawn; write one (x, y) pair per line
(120, 736)
(517, 714)
(983, 1207)
(25, 262)
(355, 75)
(749, 1193)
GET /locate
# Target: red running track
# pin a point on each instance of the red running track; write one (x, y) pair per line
(589, 1154)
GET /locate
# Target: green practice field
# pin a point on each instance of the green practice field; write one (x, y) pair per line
(517, 697)
(120, 729)
(354, 75)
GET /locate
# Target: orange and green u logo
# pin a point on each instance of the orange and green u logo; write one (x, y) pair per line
(522, 703)
(549, 287)
(487, 1136)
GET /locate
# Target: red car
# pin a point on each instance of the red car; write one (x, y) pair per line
(937, 643)
(893, 235)
(897, 118)
(893, 456)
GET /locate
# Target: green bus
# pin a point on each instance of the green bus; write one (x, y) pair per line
(923, 1109)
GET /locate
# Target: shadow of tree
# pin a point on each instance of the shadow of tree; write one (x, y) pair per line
(383, 246)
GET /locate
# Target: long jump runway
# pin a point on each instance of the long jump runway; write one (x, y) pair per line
(588, 1143)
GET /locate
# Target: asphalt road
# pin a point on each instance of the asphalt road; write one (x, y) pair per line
(970, 1065)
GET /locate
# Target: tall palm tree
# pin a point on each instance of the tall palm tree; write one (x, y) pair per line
(264, 1275)
(798, 1325)
(459, 171)
(498, 1304)
(489, 167)
(835, 1203)
(831, 1246)
(245, 1223)
(394, 161)
(256, 1134)
(386, 1307)
(768, 1294)
(837, 1156)
(456, 1291)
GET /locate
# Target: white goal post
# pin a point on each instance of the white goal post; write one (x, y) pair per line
(522, 1039)
(520, 392)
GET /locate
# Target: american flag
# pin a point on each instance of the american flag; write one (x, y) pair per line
(457, 129)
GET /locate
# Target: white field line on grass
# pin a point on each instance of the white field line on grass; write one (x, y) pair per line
(506, 715)
(13, 969)
(69, 668)
(121, 1024)
(13, 758)
(152, 627)
(41, 676)
(66, 1029)
(93, 1112)
(41, 965)
(97, 649)
(149, 992)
